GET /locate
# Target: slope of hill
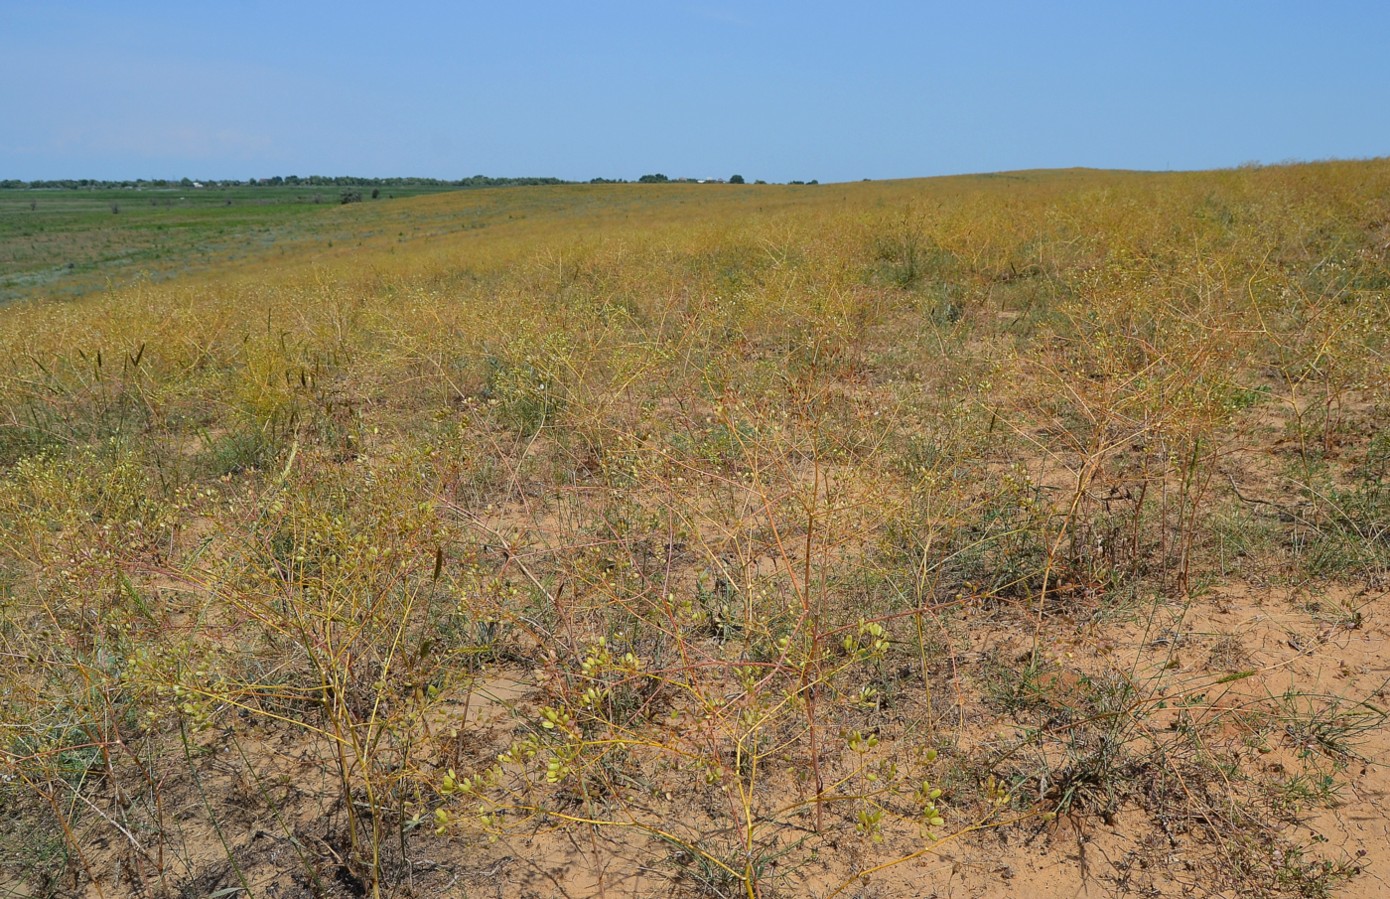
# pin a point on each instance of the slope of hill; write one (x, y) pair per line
(1001, 534)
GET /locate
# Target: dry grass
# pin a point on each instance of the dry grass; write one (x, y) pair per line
(741, 541)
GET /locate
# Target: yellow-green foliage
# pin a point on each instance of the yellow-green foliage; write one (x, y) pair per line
(718, 472)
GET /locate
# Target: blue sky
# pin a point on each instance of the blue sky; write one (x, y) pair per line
(773, 90)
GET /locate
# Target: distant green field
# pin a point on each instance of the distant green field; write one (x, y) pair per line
(65, 243)
(71, 242)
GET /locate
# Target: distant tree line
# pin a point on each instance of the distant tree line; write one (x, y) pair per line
(276, 181)
(340, 181)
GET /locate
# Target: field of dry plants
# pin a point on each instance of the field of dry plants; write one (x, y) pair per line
(1024, 534)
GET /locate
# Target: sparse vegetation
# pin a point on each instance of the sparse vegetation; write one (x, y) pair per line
(745, 543)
